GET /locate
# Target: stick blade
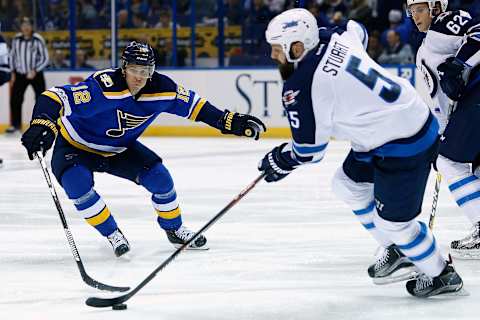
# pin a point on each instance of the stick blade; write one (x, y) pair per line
(106, 302)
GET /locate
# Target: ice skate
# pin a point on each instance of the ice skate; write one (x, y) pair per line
(119, 243)
(468, 247)
(182, 235)
(391, 266)
(447, 283)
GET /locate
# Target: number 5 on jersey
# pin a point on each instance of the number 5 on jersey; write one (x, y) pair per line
(388, 93)
(294, 120)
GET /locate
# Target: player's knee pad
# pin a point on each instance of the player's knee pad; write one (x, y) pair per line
(157, 179)
(451, 169)
(77, 181)
(349, 191)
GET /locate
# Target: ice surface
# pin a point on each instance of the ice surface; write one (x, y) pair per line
(289, 250)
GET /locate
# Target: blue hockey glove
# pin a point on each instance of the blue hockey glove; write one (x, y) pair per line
(39, 136)
(241, 125)
(451, 78)
(274, 165)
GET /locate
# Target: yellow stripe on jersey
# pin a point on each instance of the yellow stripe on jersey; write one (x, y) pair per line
(117, 94)
(197, 108)
(172, 214)
(100, 218)
(53, 96)
(160, 94)
(78, 145)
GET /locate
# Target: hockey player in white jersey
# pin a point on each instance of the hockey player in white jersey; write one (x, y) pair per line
(333, 88)
(449, 58)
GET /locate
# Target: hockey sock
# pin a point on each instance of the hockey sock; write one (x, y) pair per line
(464, 186)
(158, 181)
(77, 182)
(359, 197)
(416, 241)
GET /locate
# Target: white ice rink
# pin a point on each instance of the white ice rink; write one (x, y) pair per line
(289, 250)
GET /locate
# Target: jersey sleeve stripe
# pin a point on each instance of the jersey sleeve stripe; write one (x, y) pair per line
(117, 95)
(53, 96)
(196, 109)
(303, 150)
(158, 96)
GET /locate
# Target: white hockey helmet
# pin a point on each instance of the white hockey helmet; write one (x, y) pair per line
(291, 26)
(431, 4)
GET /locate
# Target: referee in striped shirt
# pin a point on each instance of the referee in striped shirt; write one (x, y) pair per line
(29, 56)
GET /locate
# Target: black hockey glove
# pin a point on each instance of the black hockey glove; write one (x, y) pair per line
(241, 125)
(39, 136)
(274, 165)
(451, 78)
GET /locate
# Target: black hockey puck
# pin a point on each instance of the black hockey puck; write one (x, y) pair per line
(121, 306)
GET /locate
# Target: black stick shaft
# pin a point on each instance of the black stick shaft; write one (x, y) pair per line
(108, 302)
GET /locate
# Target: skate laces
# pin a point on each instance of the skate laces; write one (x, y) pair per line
(423, 282)
(382, 260)
(116, 238)
(184, 234)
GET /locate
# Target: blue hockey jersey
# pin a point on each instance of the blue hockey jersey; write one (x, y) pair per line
(101, 116)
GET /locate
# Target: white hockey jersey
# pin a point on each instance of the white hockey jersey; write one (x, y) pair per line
(452, 33)
(339, 91)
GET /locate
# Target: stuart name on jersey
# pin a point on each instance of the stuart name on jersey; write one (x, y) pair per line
(341, 92)
(336, 57)
(101, 116)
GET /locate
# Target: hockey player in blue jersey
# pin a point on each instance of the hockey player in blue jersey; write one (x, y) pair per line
(449, 59)
(95, 125)
(333, 88)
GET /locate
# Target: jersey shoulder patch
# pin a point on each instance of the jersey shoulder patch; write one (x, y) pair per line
(453, 23)
(111, 83)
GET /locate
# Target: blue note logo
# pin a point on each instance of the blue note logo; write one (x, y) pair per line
(126, 122)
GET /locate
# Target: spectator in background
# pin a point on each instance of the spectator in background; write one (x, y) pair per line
(122, 17)
(29, 56)
(235, 12)
(56, 16)
(82, 60)
(139, 21)
(276, 6)
(255, 25)
(403, 28)
(375, 48)
(58, 60)
(165, 20)
(322, 19)
(360, 11)
(331, 7)
(396, 52)
(87, 15)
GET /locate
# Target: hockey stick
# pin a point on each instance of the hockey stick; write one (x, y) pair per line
(109, 302)
(433, 212)
(86, 278)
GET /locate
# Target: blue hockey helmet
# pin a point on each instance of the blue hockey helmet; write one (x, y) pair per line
(140, 54)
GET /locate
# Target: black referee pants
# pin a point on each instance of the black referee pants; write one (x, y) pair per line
(18, 92)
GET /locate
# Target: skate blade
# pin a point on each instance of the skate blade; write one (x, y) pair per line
(396, 278)
(460, 293)
(205, 247)
(465, 255)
